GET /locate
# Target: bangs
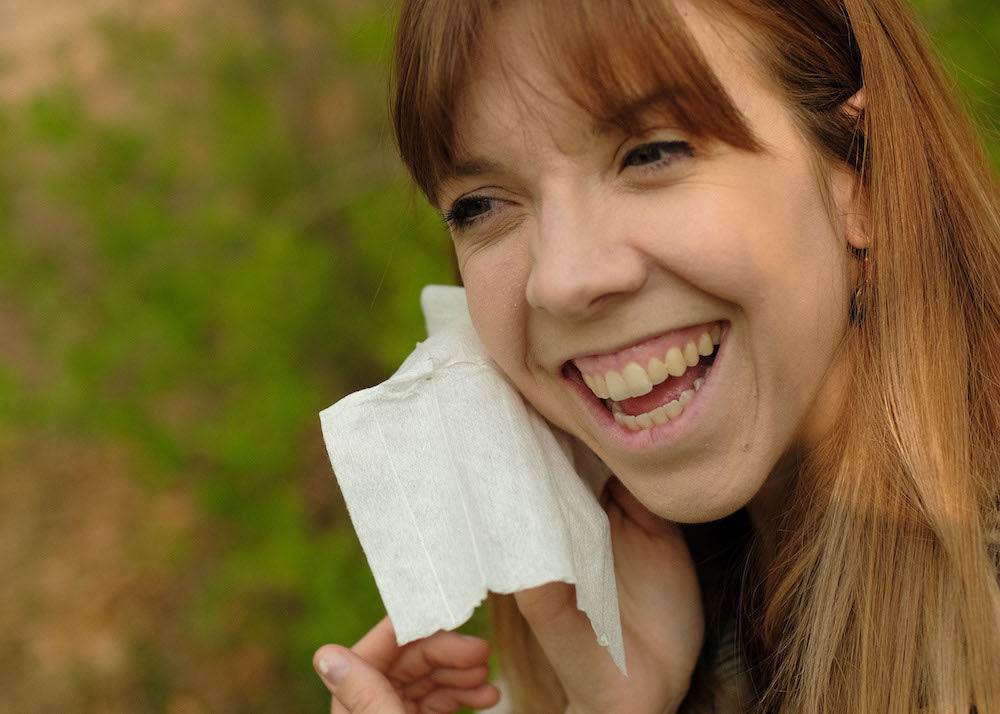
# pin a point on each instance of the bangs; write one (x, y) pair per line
(623, 62)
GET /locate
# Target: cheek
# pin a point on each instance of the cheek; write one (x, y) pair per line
(757, 239)
(716, 240)
(494, 282)
(769, 250)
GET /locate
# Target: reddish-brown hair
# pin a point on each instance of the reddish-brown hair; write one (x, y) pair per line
(882, 596)
(613, 76)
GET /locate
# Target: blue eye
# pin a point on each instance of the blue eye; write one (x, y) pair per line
(656, 153)
(465, 211)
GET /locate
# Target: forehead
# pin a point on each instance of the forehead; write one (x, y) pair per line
(515, 98)
(587, 78)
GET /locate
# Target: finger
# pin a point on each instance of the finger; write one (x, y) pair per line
(605, 498)
(461, 678)
(546, 601)
(634, 510)
(378, 647)
(448, 650)
(354, 683)
(566, 636)
(446, 701)
(446, 678)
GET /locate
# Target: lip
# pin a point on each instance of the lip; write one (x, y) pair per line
(661, 435)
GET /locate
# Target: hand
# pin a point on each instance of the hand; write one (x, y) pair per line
(662, 619)
(435, 675)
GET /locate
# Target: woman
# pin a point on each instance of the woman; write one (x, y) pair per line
(793, 179)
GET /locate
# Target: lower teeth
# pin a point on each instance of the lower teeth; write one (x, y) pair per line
(660, 415)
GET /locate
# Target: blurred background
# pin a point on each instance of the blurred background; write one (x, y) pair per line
(205, 239)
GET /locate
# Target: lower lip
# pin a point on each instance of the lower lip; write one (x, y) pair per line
(661, 435)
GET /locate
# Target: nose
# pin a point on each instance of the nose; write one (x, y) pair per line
(581, 262)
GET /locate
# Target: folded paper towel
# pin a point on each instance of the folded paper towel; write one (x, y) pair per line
(456, 486)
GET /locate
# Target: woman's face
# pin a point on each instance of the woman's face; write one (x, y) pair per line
(593, 261)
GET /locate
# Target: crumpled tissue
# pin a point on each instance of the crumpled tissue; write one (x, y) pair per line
(455, 486)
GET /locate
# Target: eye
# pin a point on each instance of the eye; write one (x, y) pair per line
(657, 153)
(465, 211)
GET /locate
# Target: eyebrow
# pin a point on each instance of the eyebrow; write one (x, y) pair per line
(638, 111)
(476, 166)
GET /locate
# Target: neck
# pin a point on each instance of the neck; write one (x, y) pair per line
(766, 506)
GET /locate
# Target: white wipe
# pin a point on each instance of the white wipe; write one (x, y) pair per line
(456, 486)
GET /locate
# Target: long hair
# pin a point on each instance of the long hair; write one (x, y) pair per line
(883, 594)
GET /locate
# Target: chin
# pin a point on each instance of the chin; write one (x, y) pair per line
(694, 496)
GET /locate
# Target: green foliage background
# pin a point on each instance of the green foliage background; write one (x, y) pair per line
(202, 245)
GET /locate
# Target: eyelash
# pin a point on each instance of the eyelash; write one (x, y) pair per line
(455, 219)
(676, 150)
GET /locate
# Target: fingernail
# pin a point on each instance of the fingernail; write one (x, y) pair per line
(333, 668)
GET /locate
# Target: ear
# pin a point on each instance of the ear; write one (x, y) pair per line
(857, 103)
(854, 210)
(852, 201)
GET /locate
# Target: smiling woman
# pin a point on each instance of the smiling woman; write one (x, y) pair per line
(592, 249)
(746, 251)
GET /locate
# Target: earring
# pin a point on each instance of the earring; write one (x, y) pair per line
(857, 313)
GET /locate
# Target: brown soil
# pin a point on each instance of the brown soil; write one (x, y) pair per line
(93, 556)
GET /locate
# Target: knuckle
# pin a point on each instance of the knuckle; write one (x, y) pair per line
(370, 700)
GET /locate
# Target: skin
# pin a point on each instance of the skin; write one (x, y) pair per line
(437, 674)
(579, 255)
(575, 240)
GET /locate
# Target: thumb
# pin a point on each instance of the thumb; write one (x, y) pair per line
(357, 686)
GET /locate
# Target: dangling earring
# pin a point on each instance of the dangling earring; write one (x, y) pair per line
(857, 313)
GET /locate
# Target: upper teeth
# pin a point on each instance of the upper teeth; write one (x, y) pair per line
(635, 379)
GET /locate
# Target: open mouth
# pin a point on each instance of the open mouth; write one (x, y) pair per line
(650, 384)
